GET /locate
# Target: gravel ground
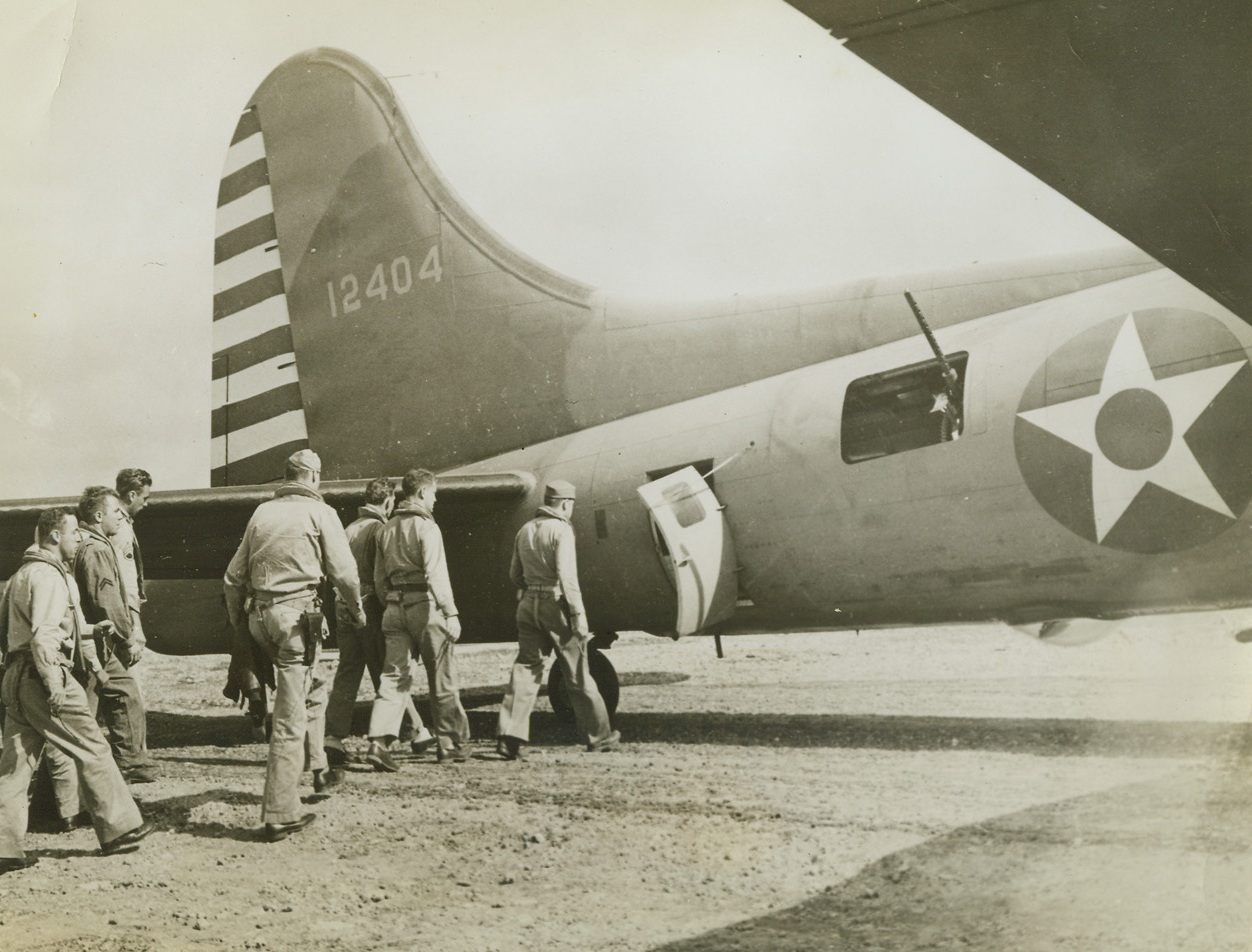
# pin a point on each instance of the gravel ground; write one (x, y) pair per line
(940, 788)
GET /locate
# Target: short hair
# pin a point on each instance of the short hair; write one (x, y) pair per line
(377, 491)
(92, 501)
(132, 481)
(50, 520)
(415, 480)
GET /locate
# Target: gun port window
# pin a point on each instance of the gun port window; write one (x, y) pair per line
(903, 409)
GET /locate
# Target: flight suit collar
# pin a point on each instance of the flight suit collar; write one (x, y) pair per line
(297, 489)
(546, 512)
(412, 509)
(93, 531)
(37, 553)
(371, 512)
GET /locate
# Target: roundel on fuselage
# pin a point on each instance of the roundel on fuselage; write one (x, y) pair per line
(1134, 434)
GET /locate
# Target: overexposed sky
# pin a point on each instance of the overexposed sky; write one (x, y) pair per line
(653, 147)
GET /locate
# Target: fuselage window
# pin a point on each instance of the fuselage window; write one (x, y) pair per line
(705, 468)
(687, 508)
(903, 409)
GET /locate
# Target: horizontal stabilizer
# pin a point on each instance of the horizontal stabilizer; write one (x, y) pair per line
(486, 487)
(192, 533)
(482, 487)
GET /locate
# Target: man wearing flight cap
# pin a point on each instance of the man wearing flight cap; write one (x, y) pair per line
(550, 615)
(292, 542)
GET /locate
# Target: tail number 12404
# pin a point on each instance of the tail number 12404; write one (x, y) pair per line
(384, 280)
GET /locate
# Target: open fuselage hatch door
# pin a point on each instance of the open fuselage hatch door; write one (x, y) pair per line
(702, 553)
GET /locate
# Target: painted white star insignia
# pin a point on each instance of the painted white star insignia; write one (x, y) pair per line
(1134, 429)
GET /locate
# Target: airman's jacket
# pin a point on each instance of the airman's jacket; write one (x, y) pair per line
(362, 540)
(544, 558)
(291, 543)
(40, 613)
(130, 558)
(99, 574)
(410, 554)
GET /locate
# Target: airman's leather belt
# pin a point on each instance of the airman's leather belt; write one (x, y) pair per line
(265, 600)
(409, 587)
(544, 591)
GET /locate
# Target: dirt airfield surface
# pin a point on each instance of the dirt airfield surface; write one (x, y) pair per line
(948, 788)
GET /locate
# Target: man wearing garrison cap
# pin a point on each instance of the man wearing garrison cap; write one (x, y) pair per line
(292, 542)
(550, 616)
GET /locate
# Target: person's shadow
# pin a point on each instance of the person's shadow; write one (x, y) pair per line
(174, 815)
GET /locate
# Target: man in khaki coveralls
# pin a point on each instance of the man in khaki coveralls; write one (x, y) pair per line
(362, 649)
(42, 628)
(411, 577)
(278, 567)
(550, 616)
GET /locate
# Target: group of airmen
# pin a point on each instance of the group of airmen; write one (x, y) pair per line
(71, 629)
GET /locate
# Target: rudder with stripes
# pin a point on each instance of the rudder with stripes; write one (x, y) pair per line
(258, 416)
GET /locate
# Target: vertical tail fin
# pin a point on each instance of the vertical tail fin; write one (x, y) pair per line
(258, 415)
(419, 334)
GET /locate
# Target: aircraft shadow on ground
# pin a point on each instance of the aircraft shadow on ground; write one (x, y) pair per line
(1040, 737)
(979, 887)
(166, 729)
(1053, 736)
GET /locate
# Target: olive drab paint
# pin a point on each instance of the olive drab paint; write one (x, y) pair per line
(362, 309)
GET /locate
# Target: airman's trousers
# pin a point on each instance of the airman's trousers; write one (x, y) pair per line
(119, 709)
(416, 626)
(299, 716)
(122, 715)
(360, 650)
(64, 774)
(30, 724)
(542, 627)
(358, 653)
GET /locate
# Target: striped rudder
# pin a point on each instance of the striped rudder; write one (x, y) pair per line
(258, 415)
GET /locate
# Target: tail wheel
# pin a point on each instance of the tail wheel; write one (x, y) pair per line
(602, 672)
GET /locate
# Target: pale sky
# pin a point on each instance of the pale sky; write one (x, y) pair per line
(656, 148)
